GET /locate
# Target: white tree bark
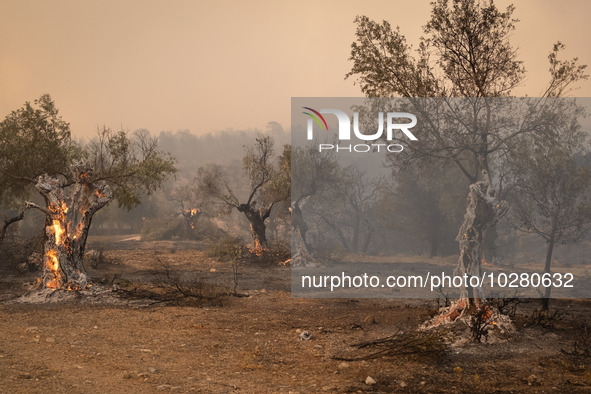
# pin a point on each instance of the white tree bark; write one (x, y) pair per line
(67, 222)
(482, 212)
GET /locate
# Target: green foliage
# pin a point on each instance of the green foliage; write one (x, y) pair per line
(212, 185)
(314, 173)
(33, 140)
(474, 54)
(466, 52)
(130, 163)
(551, 187)
(469, 40)
(269, 182)
(279, 187)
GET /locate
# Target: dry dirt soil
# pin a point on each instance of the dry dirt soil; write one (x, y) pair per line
(119, 342)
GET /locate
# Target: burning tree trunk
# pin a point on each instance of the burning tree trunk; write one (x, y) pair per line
(67, 223)
(191, 216)
(258, 227)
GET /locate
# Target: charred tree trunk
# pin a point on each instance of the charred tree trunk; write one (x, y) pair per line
(301, 256)
(67, 223)
(258, 228)
(190, 217)
(483, 211)
(369, 235)
(547, 292)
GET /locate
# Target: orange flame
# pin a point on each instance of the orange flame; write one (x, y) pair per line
(192, 212)
(258, 250)
(54, 266)
(59, 230)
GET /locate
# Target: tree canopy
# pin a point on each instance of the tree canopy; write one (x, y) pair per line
(34, 140)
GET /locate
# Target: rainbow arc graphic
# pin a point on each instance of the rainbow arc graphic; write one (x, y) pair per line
(315, 116)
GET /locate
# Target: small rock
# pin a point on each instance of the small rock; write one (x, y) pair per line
(370, 319)
(532, 380)
(305, 336)
(343, 365)
(403, 384)
(212, 270)
(50, 340)
(143, 375)
(31, 329)
(370, 381)
(423, 383)
(163, 387)
(152, 370)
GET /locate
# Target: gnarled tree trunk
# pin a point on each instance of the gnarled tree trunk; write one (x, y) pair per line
(300, 254)
(67, 222)
(482, 212)
(190, 217)
(258, 228)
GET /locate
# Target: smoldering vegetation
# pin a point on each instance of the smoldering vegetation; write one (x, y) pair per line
(408, 213)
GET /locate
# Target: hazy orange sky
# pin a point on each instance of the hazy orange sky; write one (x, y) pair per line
(213, 65)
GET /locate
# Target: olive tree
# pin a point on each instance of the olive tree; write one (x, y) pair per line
(268, 179)
(465, 54)
(551, 188)
(74, 181)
